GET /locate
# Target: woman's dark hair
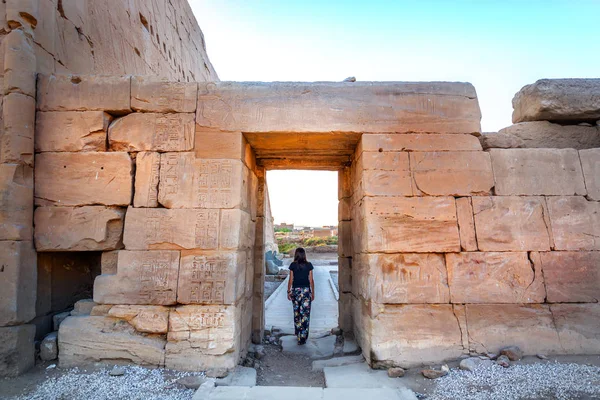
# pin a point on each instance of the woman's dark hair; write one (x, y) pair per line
(300, 256)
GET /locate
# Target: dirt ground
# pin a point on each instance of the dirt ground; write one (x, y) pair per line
(278, 369)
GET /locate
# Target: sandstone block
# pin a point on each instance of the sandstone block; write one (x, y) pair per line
(402, 278)
(49, 347)
(83, 307)
(147, 176)
(75, 179)
(18, 114)
(88, 228)
(19, 282)
(112, 340)
(575, 223)
(108, 262)
(345, 248)
(493, 327)
(16, 202)
(578, 327)
(218, 144)
(236, 230)
(146, 319)
(345, 186)
(511, 223)
(494, 278)
(404, 224)
(208, 277)
(143, 277)
(386, 161)
(466, 224)
(71, 131)
(418, 142)
(590, 163)
(19, 65)
(345, 274)
(152, 132)
(345, 209)
(149, 93)
(558, 100)
(572, 276)
(440, 107)
(188, 182)
(382, 174)
(543, 134)
(451, 173)
(84, 93)
(537, 172)
(410, 335)
(17, 352)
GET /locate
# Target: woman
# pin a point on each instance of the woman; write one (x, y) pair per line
(301, 291)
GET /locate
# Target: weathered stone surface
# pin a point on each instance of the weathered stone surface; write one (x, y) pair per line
(401, 278)
(75, 179)
(83, 307)
(17, 352)
(59, 318)
(382, 174)
(113, 339)
(149, 93)
(511, 223)
(16, 202)
(345, 245)
(71, 131)
(108, 262)
(84, 93)
(236, 231)
(466, 224)
(439, 107)
(49, 347)
(152, 132)
(413, 335)
(494, 278)
(188, 182)
(19, 63)
(218, 144)
(147, 176)
(558, 100)
(88, 228)
(572, 276)
(575, 223)
(537, 172)
(590, 163)
(542, 134)
(451, 173)
(146, 319)
(401, 224)
(19, 282)
(418, 142)
(209, 277)
(345, 274)
(493, 327)
(143, 277)
(578, 327)
(18, 116)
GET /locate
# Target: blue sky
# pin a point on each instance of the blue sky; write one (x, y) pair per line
(498, 46)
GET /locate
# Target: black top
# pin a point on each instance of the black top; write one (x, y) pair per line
(301, 272)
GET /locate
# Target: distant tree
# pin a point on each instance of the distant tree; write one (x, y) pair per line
(284, 230)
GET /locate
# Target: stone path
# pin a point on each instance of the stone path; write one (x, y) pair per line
(324, 312)
(302, 393)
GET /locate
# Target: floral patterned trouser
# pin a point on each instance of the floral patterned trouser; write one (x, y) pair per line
(301, 301)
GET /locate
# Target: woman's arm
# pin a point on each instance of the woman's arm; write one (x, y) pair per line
(291, 279)
(312, 285)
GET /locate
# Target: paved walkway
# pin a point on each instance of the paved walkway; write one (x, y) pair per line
(324, 311)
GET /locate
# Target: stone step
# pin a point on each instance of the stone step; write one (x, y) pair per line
(318, 365)
(301, 393)
(360, 376)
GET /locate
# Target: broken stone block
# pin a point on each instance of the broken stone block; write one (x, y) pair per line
(113, 339)
(108, 262)
(58, 319)
(188, 182)
(494, 278)
(17, 352)
(572, 276)
(147, 175)
(152, 132)
(88, 228)
(418, 142)
(511, 223)
(16, 202)
(75, 179)
(558, 100)
(18, 114)
(146, 319)
(466, 224)
(49, 347)
(18, 274)
(71, 131)
(84, 93)
(404, 224)
(493, 327)
(577, 326)
(537, 172)
(461, 173)
(83, 307)
(575, 223)
(590, 162)
(209, 277)
(143, 277)
(149, 93)
(401, 278)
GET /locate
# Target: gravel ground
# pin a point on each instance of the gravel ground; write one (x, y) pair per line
(278, 369)
(548, 380)
(137, 383)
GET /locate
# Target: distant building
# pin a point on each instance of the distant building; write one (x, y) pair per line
(283, 225)
(325, 231)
